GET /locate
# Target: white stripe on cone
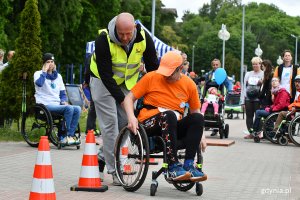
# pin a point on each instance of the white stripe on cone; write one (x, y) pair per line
(90, 149)
(42, 186)
(43, 158)
(89, 172)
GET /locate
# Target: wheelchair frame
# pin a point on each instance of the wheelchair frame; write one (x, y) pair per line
(132, 161)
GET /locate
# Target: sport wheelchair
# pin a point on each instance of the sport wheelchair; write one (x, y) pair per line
(289, 129)
(132, 154)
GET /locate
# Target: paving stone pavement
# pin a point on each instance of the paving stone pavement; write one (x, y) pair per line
(245, 170)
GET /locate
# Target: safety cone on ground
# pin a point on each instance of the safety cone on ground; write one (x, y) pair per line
(152, 161)
(89, 179)
(42, 183)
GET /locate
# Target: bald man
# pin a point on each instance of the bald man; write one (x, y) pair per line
(114, 71)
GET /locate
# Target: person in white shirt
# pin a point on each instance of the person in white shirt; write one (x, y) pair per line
(50, 91)
(287, 72)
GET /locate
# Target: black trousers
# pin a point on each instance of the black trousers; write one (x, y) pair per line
(189, 129)
(251, 107)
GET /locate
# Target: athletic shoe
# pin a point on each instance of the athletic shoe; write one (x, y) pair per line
(178, 173)
(196, 174)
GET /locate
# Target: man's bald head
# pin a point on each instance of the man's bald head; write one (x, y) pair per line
(125, 26)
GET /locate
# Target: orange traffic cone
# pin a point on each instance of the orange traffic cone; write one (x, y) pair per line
(42, 183)
(89, 179)
(152, 161)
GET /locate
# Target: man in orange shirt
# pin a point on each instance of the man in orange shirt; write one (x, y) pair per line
(166, 93)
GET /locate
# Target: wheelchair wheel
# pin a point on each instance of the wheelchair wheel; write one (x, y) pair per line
(283, 140)
(226, 130)
(294, 130)
(132, 158)
(268, 128)
(199, 189)
(36, 122)
(184, 186)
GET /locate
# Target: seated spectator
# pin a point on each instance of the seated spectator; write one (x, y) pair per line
(281, 99)
(237, 87)
(292, 107)
(212, 98)
(50, 91)
(166, 92)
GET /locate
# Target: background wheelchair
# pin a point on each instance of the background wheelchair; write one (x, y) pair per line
(289, 129)
(38, 121)
(132, 154)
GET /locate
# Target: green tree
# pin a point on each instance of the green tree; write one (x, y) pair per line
(5, 11)
(27, 59)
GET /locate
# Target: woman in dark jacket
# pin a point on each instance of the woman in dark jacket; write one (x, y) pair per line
(265, 90)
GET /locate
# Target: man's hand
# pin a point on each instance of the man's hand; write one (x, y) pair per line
(133, 124)
(203, 143)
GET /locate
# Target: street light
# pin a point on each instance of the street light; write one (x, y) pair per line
(193, 58)
(258, 51)
(279, 60)
(296, 47)
(223, 35)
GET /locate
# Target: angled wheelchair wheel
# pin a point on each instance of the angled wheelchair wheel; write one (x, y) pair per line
(36, 122)
(226, 130)
(268, 128)
(132, 158)
(294, 130)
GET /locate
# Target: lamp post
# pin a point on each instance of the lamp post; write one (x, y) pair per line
(296, 47)
(193, 58)
(242, 48)
(223, 35)
(279, 60)
(258, 51)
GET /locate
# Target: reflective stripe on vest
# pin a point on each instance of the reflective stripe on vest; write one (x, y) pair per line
(124, 69)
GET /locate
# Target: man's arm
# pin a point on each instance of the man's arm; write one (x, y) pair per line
(104, 65)
(128, 106)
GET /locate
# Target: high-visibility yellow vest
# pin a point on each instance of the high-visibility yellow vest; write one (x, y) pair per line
(124, 69)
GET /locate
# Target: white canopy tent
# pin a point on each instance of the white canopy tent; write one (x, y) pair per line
(160, 46)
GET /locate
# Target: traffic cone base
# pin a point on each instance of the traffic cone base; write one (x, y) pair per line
(89, 179)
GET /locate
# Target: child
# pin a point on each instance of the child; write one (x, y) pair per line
(212, 98)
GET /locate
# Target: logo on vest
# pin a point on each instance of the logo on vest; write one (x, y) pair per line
(138, 50)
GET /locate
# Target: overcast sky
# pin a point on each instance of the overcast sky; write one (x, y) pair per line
(291, 7)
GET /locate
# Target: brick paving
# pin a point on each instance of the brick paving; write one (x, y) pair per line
(244, 170)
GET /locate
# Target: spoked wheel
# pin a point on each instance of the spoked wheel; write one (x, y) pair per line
(294, 131)
(268, 128)
(132, 158)
(36, 122)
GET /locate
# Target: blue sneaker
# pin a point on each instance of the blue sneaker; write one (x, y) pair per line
(197, 174)
(178, 173)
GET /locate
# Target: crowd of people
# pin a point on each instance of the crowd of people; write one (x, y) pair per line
(266, 90)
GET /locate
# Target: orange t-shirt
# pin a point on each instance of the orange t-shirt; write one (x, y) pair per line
(160, 93)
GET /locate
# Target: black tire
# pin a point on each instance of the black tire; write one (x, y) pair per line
(153, 189)
(221, 132)
(183, 186)
(294, 130)
(199, 189)
(268, 128)
(36, 122)
(283, 140)
(226, 130)
(137, 151)
(256, 139)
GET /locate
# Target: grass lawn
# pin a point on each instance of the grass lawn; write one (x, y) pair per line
(13, 134)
